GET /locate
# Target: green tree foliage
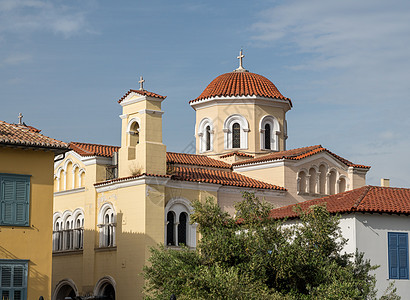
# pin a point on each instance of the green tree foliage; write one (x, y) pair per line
(251, 256)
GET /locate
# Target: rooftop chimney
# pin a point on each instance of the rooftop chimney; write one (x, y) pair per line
(384, 182)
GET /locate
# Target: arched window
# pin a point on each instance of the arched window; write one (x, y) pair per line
(236, 135)
(208, 138)
(236, 130)
(178, 229)
(322, 179)
(268, 138)
(269, 133)
(57, 232)
(182, 228)
(205, 135)
(312, 181)
(134, 134)
(331, 179)
(106, 220)
(170, 228)
(341, 185)
(78, 229)
(301, 182)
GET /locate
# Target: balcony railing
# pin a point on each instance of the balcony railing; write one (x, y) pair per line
(68, 239)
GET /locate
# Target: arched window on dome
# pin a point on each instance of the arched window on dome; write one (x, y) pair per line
(269, 133)
(178, 230)
(236, 130)
(236, 135)
(205, 135)
(208, 138)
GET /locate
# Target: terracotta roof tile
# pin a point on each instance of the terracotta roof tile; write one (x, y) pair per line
(129, 178)
(237, 154)
(241, 84)
(221, 177)
(86, 149)
(218, 177)
(142, 93)
(372, 199)
(297, 154)
(195, 159)
(23, 135)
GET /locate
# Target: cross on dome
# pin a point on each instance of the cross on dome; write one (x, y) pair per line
(141, 82)
(240, 68)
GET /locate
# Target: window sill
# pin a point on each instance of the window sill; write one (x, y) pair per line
(105, 249)
(179, 247)
(67, 252)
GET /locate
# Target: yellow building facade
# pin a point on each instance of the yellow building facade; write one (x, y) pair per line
(111, 204)
(26, 211)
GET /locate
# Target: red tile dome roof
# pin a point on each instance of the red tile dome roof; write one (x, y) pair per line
(241, 84)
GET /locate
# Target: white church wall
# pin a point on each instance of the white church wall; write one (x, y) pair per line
(369, 234)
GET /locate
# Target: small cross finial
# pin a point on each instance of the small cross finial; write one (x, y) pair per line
(240, 57)
(20, 116)
(141, 82)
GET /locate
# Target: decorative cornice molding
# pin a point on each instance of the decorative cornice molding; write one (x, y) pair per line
(68, 192)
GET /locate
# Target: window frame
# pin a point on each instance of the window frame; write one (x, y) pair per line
(22, 178)
(13, 263)
(390, 236)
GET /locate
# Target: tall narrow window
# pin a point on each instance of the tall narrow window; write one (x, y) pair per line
(134, 134)
(208, 137)
(236, 135)
(182, 227)
(267, 136)
(170, 228)
(107, 226)
(398, 244)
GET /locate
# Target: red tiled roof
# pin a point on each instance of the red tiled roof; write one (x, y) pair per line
(372, 199)
(297, 154)
(241, 84)
(142, 93)
(86, 149)
(23, 135)
(237, 154)
(195, 159)
(129, 177)
(221, 177)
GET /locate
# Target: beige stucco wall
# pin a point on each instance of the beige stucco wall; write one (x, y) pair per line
(34, 242)
(149, 155)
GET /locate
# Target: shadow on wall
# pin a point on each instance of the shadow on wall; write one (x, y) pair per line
(38, 283)
(98, 272)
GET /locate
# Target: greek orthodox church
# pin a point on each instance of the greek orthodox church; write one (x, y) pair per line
(112, 203)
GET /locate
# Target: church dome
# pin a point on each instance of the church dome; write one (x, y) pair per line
(240, 84)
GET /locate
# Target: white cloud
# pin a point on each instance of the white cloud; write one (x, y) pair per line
(26, 16)
(357, 59)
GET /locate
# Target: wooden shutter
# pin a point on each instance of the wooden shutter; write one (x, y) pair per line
(398, 255)
(393, 261)
(15, 194)
(403, 255)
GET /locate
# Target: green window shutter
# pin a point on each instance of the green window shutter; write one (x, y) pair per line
(13, 279)
(14, 202)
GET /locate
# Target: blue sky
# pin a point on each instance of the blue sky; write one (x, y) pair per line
(345, 65)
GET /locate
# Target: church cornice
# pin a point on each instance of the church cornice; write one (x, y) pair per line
(240, 100)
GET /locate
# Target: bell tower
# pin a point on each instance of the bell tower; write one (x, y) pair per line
(142, 150)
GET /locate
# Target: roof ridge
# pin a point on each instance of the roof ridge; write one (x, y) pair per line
(366, 189)
(83, 143)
